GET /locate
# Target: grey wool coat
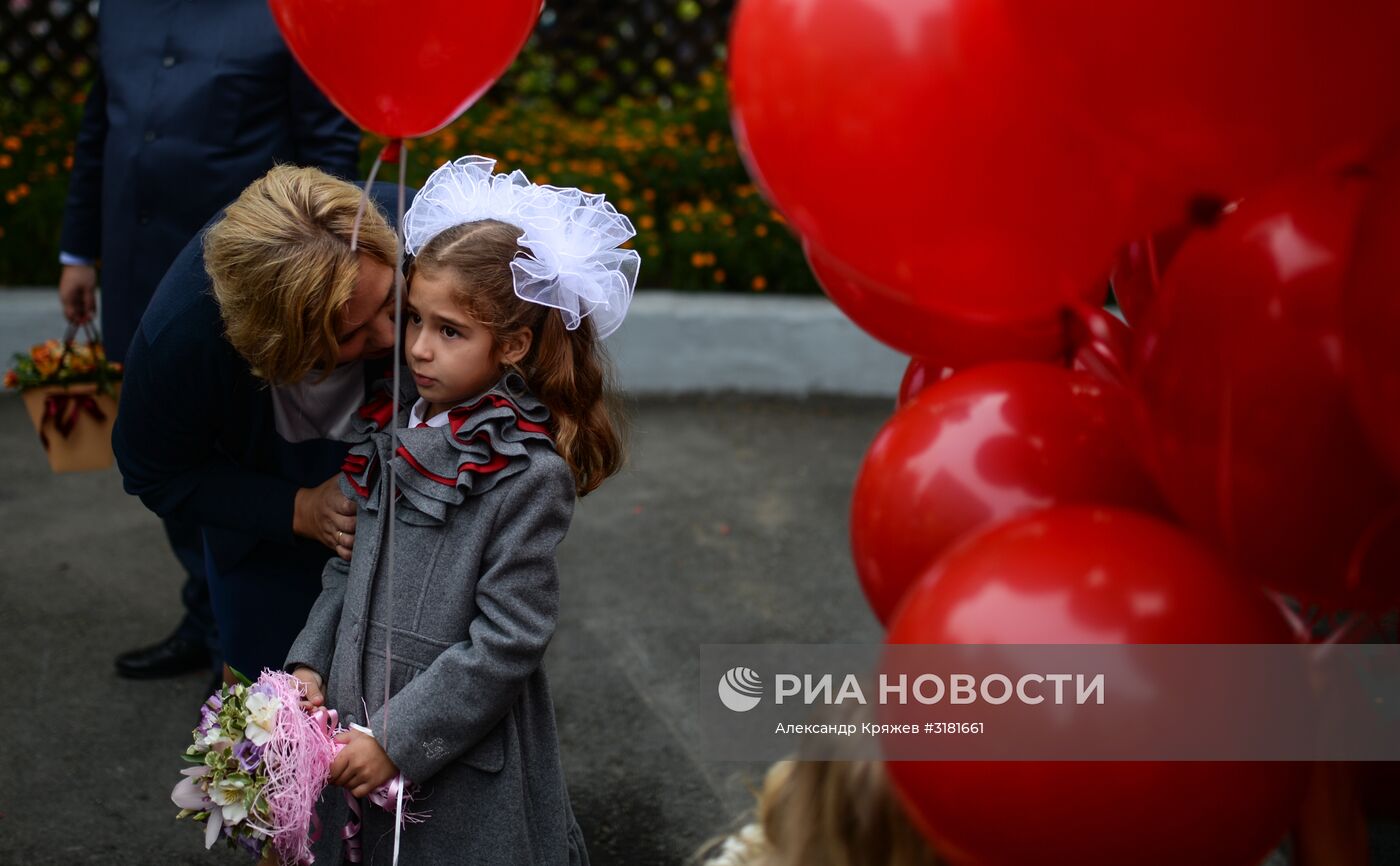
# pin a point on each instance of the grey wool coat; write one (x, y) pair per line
(482, 504)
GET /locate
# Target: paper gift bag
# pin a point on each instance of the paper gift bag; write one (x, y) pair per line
(74, 422)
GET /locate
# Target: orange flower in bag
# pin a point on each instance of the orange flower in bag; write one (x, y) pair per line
(46, 356)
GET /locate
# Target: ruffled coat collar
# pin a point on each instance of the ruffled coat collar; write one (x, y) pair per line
(485, 441)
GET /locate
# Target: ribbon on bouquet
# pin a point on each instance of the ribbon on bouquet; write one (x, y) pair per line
(389, 796)
(62, 410)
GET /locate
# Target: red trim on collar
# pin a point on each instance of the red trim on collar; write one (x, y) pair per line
(458, 415)
(379, 411)
(495, 464)
(355, 464)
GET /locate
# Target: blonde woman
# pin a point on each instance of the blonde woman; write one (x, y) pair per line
(241, 383)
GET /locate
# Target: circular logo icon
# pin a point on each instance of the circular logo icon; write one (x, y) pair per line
(740, 689)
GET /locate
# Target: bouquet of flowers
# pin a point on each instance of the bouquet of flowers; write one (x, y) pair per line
(70, 390)
(49, 364)
(261, 762)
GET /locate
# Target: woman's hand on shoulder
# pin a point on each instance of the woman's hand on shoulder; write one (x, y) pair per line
(323, 514)
(315, 697)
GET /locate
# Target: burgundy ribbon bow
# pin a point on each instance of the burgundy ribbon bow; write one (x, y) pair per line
(63, 410)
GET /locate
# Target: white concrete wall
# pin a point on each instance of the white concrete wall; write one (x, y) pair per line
(671, 343)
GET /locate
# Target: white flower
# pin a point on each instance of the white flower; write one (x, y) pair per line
(189, 794)
(213, 826)
(261, 711)
(228, 794)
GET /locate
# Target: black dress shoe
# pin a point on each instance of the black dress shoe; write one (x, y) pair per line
(170, 657)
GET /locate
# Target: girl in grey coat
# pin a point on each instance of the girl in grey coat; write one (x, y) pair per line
(510, 424)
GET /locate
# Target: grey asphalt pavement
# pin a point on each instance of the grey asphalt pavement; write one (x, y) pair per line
(728, 526)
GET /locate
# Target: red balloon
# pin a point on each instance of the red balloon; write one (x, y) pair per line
(1208, 101)
(1371, 316)
(404, 69)
(948, 340)
(1081, 575)
(917, 376)
(1241, 373)
(987, 444)
(1137, 272)
(1103, 343)
(901, 138)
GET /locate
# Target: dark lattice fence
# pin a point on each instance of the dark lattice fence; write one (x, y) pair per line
(600, 50)
(584, 55)
(46, 49)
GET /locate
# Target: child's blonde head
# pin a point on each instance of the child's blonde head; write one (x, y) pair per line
(282, 268)
(831, 813)
(566, 370)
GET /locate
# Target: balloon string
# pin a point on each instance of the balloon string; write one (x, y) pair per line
(399, 290)
(1300, 627)
(1224, 469)
(1343, 634)
(391, 152)
(1152, 271)
(1357, 560)
(379, 160)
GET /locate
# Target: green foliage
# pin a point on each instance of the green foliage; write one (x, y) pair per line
(669, 163)
(36, 154)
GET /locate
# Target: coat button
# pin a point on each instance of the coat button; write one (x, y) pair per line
(168, 61)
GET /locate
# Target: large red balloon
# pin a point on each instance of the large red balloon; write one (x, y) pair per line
(945, 339)
(404, 69)
(1081, 335)
(988, 156)
(1371, 315)
(1079, 575)
(1209, 100)
(987, 444)
(900, 137)
(1241, 371)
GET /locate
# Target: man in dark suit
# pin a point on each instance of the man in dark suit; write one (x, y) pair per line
(193, 100)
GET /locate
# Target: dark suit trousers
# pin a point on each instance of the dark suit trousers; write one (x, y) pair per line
(197, 625)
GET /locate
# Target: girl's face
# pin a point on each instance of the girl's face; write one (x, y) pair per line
(452, 356)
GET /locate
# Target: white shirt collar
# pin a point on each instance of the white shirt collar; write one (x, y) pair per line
(415, 415)
(324, 409)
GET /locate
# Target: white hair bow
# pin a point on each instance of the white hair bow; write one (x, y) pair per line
(572, 237)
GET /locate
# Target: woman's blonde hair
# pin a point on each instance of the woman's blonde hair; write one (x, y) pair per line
(282, 268)
(828, 813)
(566, 370)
